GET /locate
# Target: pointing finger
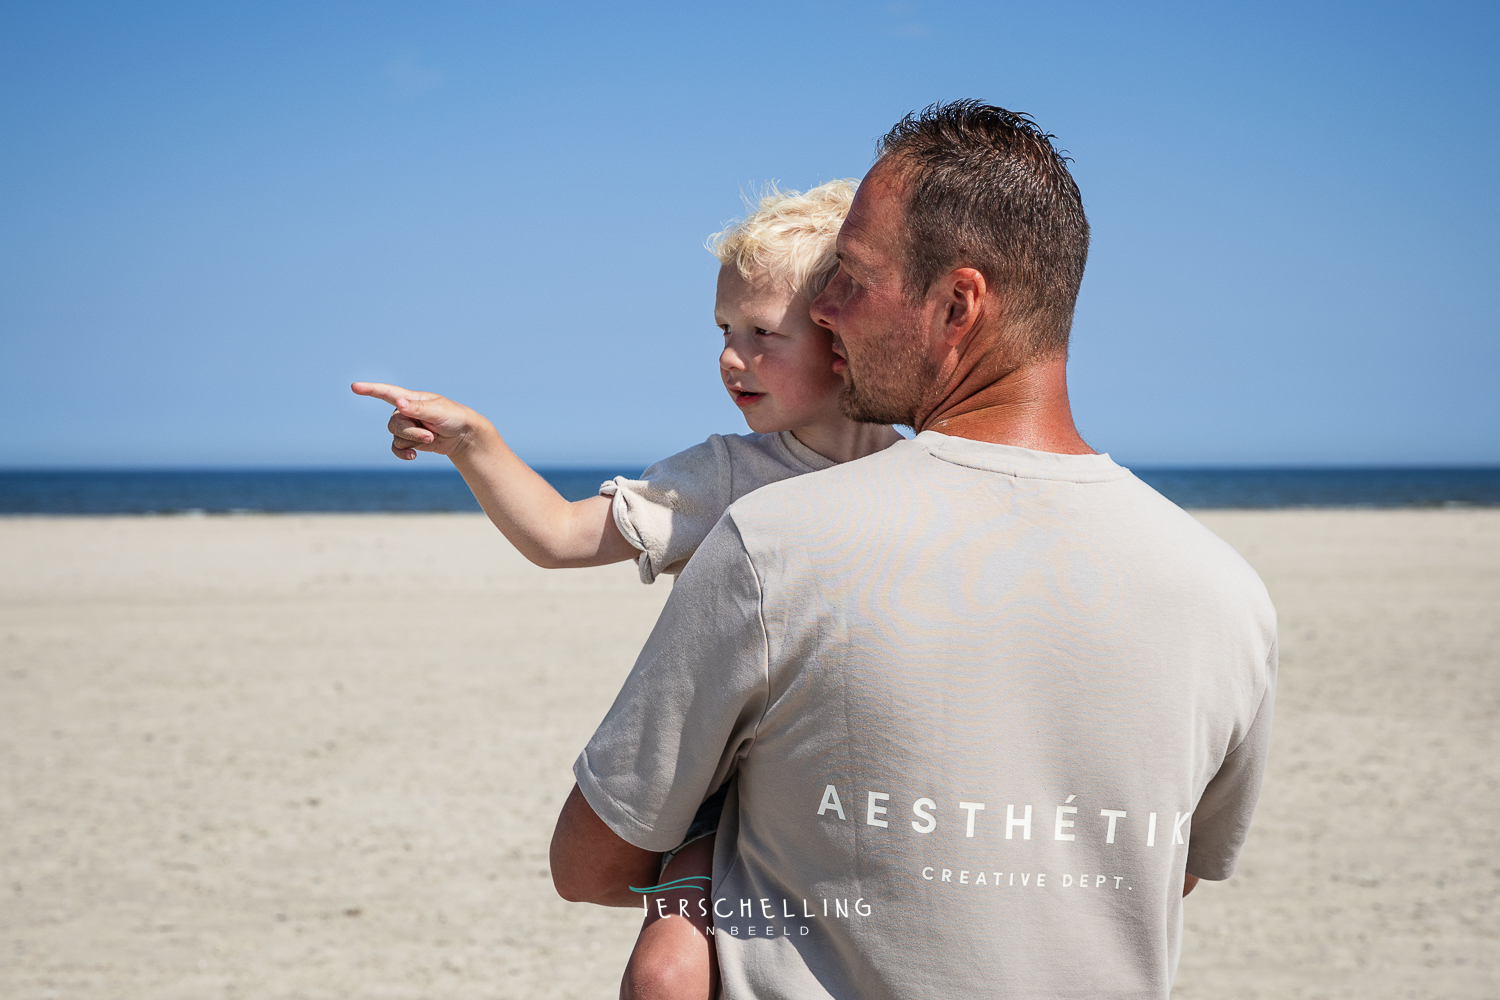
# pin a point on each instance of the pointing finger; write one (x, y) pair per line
(390, 393)
(380, 390)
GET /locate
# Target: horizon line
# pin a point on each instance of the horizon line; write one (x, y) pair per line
(591, 467)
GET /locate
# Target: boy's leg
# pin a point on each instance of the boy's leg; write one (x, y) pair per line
(674, 957)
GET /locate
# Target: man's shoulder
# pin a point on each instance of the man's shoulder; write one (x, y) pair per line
(1186, 557)
(907, 488)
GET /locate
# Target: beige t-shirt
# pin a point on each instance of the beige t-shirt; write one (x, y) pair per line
(675, 504)
(982, 707)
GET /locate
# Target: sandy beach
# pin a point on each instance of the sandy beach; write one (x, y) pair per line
(321, 756)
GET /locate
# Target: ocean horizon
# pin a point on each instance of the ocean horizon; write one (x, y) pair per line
(101, 492)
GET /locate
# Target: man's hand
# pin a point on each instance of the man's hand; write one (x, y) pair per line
(593, 864)
(423, 421)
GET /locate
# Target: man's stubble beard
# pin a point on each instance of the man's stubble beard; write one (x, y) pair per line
(892, 389)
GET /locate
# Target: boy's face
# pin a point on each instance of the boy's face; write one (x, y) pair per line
(777, 363)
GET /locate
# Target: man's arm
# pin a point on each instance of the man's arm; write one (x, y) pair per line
(547, 529)
(593, 864)
(686, 714)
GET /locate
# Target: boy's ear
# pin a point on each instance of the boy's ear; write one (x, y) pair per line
(963, 292)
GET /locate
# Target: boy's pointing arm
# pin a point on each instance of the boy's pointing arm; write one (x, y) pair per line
(544, 527)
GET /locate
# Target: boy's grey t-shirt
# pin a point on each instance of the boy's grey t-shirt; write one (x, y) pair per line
(982, 706)
(675, 504)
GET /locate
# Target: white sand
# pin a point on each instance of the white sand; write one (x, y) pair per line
(321, 757)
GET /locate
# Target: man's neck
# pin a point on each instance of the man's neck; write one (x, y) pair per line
(1026, 408)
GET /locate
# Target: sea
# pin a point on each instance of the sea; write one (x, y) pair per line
(289, 491)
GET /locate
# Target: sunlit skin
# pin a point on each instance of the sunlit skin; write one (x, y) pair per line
(945, 362)
(880, 348)
(778, 367)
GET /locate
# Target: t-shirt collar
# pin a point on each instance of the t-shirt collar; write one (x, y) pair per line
(1022, 463)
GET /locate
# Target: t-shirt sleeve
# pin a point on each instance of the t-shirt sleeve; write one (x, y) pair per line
(673, 506)
(690, 707)
(1222, 818)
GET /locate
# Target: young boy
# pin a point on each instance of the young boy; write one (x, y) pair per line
(777, 365)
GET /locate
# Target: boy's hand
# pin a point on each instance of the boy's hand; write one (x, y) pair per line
(423, 421)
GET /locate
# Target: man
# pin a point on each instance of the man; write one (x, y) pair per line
(988, 705)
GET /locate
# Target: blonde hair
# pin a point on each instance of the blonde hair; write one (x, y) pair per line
(790, 236)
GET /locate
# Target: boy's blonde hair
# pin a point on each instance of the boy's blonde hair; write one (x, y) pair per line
(790, 236)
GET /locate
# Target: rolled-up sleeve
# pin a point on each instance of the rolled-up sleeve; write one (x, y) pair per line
(668, 512)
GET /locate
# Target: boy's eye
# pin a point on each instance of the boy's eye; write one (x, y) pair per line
(759, 331)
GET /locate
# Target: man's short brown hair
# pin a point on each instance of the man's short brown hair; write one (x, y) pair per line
(987, 190)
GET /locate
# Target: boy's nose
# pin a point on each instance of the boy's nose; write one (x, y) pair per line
(730, 361)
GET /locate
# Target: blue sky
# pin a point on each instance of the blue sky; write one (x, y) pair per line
(215, 216)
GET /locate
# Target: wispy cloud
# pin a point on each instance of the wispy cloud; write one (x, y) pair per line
(410, 79)
(903, 20)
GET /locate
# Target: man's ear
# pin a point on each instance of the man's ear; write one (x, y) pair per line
(964, 292)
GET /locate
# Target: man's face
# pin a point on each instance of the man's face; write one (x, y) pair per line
(879, 340)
